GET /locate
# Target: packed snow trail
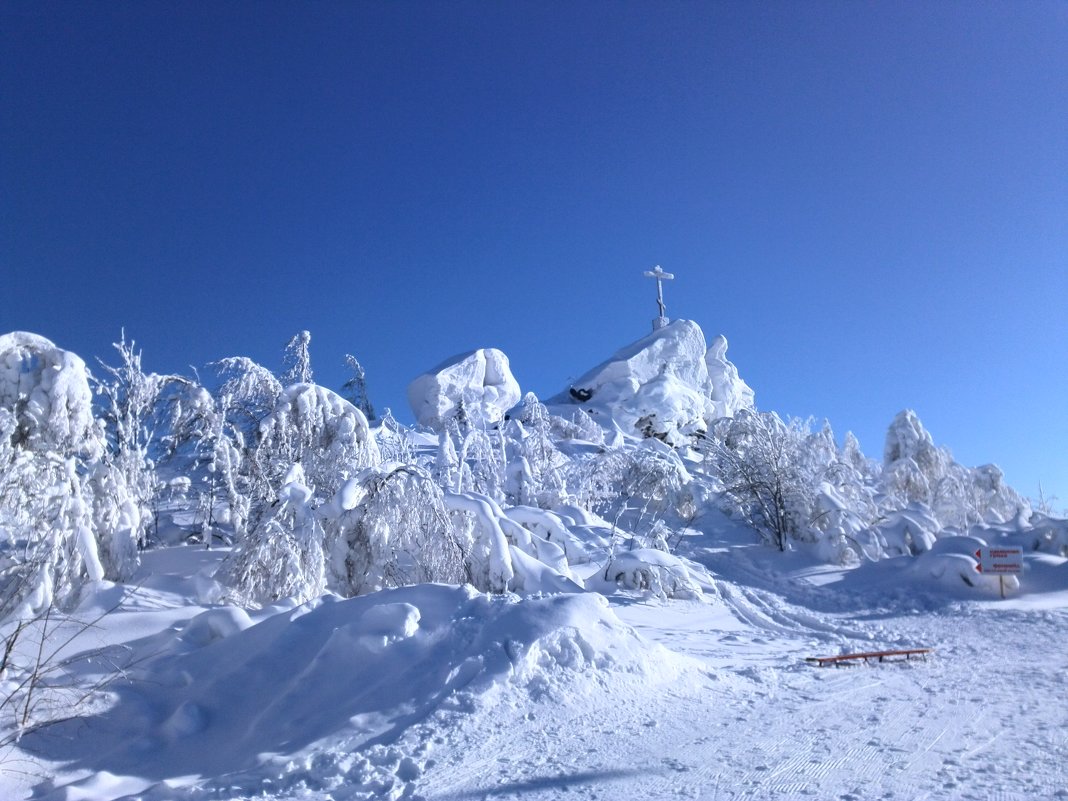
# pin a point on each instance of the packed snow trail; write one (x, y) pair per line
(763, 725)
(440, 693)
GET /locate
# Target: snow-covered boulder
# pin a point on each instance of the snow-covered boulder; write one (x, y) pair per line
(480, 380)
(47, 390)
(661, 385)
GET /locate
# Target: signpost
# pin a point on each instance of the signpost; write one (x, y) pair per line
(1000, 561)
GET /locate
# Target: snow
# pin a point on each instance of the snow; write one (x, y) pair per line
(48, 388)
(730, 394)
(434, 691)
(481, 381)
(669, 383)
(631, 639)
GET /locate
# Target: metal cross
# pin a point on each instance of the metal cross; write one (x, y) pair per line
(660, 277)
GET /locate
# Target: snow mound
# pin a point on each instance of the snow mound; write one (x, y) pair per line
(47, 389)
(669, 384)
(480, 382)
(244, 708)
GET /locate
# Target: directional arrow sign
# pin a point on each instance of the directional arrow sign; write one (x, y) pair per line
(999, 560)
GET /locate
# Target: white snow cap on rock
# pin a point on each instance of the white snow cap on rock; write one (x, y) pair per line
(47, 389)
(481, 379)
(730, 393)
(668, 383)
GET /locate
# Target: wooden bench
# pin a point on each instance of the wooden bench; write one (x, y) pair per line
(840, 659)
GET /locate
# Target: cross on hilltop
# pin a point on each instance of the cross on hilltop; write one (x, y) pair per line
(660, 276)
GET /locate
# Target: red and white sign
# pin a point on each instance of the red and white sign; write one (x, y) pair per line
(999, 560)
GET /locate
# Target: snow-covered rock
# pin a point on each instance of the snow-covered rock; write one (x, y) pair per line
(730, 393)
(47, 390)
(669, 384)
(480, 380)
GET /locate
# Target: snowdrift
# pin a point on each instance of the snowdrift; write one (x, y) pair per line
(209, 704)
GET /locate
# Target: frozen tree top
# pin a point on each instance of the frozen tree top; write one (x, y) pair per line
(906, 438)
(47, 389)
(479, 382)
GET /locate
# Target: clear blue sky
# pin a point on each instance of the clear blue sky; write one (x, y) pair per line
(869, 199)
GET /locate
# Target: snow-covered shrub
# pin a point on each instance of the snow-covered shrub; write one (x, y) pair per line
(1046, 534)
(645, 482)
(483, 451)
(907, 532)
(536, 469)
(488, 557)
(322, 431)
(514, 549)
(648, 570)
(389, 527)
(551, 528)
(282, 557)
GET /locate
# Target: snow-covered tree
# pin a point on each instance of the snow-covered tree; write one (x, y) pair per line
(389, 527)
(55, 523)
(251, 392)
(307, 448)
(483, 452)
(449, 472)
(537, 472)
(282, 557)
(216, 453)
(328, 436)
(130, 400)
(761, 462)
(393, 440)
(916, 471)
(354, 390)
(297, 360)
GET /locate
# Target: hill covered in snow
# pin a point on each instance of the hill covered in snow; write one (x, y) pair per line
(240, 586)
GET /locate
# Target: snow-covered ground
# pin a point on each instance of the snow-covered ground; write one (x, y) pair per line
(554, 606)
(440, 692)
